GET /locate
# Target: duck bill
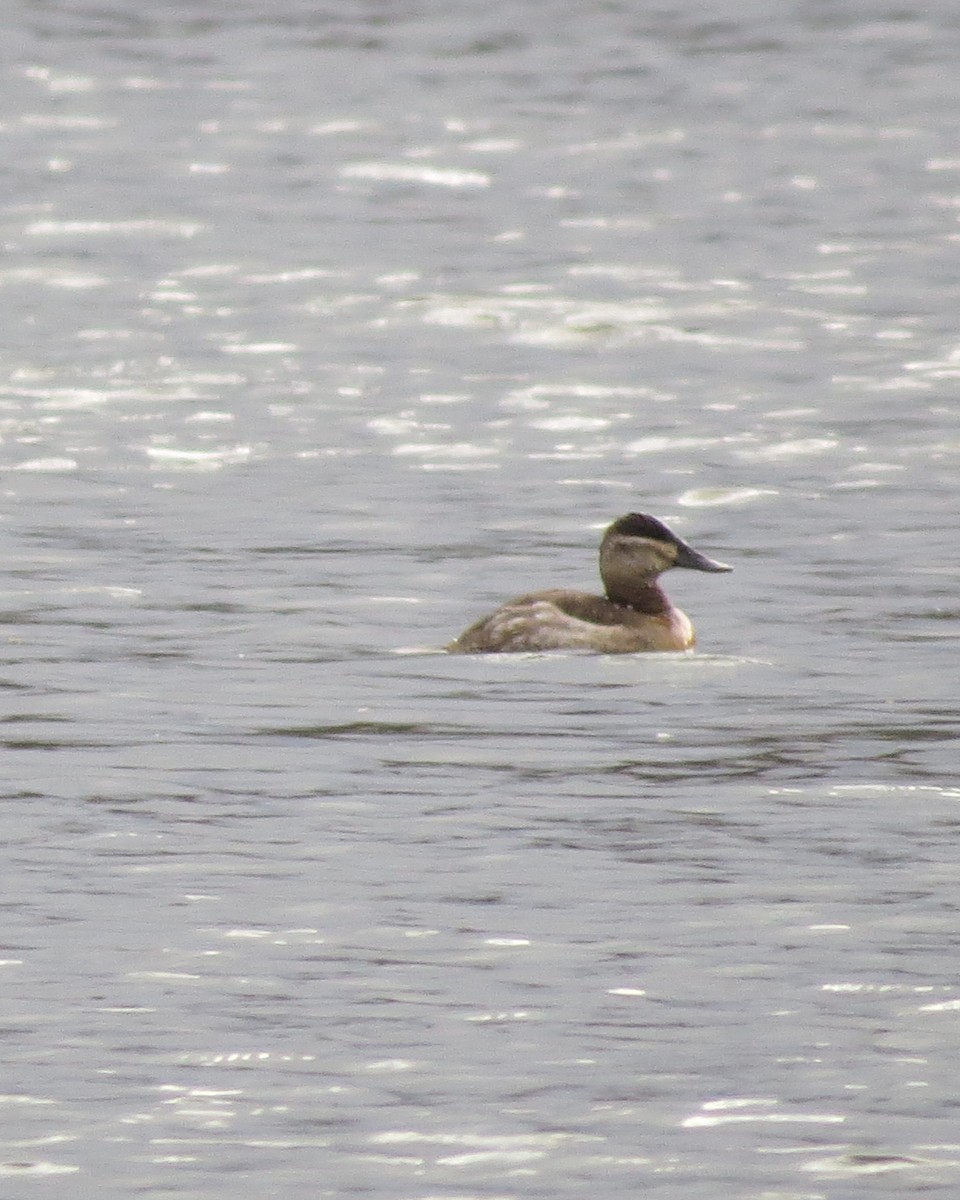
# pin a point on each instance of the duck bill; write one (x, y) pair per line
(688, 557)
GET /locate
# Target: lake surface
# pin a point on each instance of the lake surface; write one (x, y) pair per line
(325, 329)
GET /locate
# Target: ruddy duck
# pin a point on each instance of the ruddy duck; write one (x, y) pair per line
(634, 615)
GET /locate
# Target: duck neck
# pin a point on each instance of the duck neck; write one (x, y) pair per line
(647, 597)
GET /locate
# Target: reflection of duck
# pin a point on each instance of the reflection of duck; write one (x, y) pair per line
(634, 615)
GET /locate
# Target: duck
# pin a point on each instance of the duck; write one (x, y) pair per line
(633, 615)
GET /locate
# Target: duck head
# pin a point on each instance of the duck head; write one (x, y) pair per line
(637, 548)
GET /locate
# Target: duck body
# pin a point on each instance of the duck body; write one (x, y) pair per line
(633, 616)
(567, 620)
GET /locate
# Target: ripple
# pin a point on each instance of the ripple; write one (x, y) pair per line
(209, 460)
(260, 348)
(36, 1168)
(571, 424)
(796, 448)
(852, 1165)
(168, 228)
(657, 445)
(386, 172)
(720, 497)
(51, 465)
(704, 1121)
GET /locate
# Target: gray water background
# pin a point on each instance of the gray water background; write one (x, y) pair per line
(325, 328)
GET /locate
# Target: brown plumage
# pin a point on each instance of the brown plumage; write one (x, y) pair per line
(634, 615)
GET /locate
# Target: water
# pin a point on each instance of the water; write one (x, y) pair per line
(324, 332)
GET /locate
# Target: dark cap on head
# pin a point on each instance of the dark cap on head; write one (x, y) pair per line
(643, 525)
